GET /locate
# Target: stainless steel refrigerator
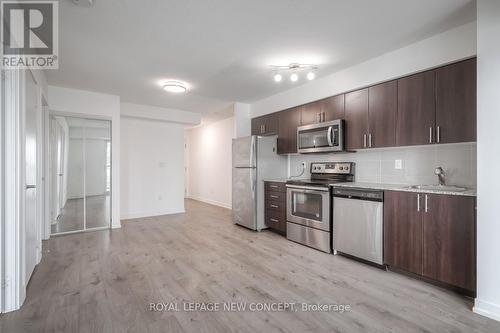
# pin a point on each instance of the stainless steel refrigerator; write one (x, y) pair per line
(255, 159)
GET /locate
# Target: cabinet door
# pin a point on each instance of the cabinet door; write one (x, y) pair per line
(456, 102)
(403, 231)
(356, 119)
(382, 110)
(265, 125)
(449, 240)
(270, 123)
(257, 126)
(416, 109)
(333, 107)
(311, 113)
(288, 121)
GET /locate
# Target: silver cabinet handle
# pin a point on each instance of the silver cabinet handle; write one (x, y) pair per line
(426, 203)
(274, 206)
(364, 140)
(318, 117)
(273, 186)
(274, 196)
(430, 134)
(370, 140)
(30, 187)
(324, 116)
(274, 220)
(418, 202)
(438, 134)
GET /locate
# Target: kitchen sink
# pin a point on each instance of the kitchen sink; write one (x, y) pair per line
(444, 188)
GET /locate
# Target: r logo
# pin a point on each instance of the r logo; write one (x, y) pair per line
(29, 33)
(27, 27)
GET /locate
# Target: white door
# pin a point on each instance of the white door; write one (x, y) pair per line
(31, 225)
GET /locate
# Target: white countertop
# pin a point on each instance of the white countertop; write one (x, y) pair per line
(403, 188)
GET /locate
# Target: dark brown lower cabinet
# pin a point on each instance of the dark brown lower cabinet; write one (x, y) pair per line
(403, 231)
(275, 207)
(449, 240)
(432, 235)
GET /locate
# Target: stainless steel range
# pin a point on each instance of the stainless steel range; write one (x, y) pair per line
(309, 204)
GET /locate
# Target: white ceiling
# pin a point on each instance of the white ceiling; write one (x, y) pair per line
(224, 48)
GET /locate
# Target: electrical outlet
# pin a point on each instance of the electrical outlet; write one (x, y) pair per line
(398, 164)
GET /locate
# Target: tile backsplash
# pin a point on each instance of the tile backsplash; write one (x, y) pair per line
(417, 164)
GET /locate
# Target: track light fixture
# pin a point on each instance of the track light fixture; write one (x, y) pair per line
(294, 69)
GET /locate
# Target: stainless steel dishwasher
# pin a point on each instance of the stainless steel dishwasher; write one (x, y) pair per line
(358, 223)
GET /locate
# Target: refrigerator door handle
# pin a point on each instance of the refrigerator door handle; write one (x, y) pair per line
(252, 181)
(252, 153)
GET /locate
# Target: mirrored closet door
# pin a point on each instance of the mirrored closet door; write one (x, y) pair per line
(80, 174)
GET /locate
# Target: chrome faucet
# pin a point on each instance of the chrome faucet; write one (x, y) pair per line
(440, 173)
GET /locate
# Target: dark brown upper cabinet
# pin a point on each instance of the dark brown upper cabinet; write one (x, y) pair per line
(265, 125)
(356, 119)
(416, 109)
(403, 231)
(435, 106)
(333, 107)
(449, 240)
(288, 121)
(382, 111)
(456, 102)
(311, 113)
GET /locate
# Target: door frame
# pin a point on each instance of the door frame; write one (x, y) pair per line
(13, 238)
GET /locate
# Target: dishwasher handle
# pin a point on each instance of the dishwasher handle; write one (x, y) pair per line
(359, 194)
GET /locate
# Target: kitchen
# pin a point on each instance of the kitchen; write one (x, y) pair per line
(419, 222)
(250, 166)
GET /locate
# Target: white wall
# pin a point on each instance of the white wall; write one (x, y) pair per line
(81, 103)
(152, 168)
(242, 120)
(148, 112)
(488, 158)
(447, 47)
(210, 162)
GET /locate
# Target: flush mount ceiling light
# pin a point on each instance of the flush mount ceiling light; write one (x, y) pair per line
(174, 86)
(294, 69)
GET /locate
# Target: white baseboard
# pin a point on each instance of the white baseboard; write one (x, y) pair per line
(487, 309)
(211, 202)
(137, 215)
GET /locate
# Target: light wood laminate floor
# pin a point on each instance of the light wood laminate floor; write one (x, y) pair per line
(103, 281)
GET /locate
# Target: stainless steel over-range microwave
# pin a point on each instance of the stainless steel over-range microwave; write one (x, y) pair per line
(321, 138)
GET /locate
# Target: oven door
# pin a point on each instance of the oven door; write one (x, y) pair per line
(309, 206)
(323, 137)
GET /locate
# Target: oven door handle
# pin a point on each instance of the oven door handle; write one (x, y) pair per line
(309, 189)
(329, 136)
